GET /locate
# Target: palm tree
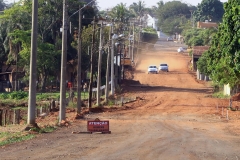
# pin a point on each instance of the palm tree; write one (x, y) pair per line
(119, 12)
(137, 9)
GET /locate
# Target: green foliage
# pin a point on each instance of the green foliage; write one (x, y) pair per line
(172, 16)
(48, 96)
(17, 95)
(150, 30)
(198, 37)
(209, 10)
(220, 95)
(119, 12)
(223, 57)
(111, 102)
(149, 35)
(3, 96)
(202, 64)
(47, 129)
(137, 9)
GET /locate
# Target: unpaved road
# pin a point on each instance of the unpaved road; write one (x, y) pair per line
(176, 120)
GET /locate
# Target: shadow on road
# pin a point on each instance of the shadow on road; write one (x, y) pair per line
(169, 89)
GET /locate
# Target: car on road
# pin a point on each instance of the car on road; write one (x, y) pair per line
(169, 39)
(152, 69)
(163, 67)
(182, 49)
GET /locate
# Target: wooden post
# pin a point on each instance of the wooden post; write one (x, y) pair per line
(222, 111)
(5, 117)
(14, 116)
(18, 116)
(227, 114)
(1, 114)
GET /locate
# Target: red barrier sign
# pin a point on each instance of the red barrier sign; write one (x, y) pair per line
(98, 126)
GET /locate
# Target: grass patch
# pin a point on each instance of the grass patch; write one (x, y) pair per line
(45, 129)
(220, 95)
(10, 137)
(14, 137)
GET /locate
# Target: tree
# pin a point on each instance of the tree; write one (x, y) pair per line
(172, 16)
(198, 37)
(223, 57)
(201, 64)
(137, 9)
(2, 5)
(211, 10)
(119, 12)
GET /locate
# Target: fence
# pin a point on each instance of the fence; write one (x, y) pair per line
(9, 116)
(102, 90)
(15, 116)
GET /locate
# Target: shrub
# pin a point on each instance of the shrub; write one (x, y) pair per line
(18, 95)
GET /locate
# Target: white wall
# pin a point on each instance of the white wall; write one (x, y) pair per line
(227, 89)
(152, 22)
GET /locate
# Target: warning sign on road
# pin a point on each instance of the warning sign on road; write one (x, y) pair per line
(98, 126)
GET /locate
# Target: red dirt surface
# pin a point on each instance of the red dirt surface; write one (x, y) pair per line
(174, 117)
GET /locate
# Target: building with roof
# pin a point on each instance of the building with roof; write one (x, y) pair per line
(196, 54)
(207, 24)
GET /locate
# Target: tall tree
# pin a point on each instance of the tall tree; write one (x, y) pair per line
(120, 12)
(211, 10)
(224, 53)
(137, 9)
(172, 16)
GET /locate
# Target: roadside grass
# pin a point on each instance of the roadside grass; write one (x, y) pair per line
(220, 95)
(17, 98)
(14, 137)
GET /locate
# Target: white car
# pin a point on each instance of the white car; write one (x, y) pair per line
(152, 69)
(169, 39)
(180, 49)
(163, 67)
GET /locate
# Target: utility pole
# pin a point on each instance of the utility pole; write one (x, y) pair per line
(99, 66)
(33, 68)
(129, 41)
(112, 62)
(139, 36)
(133, 42)
(62, 112)
(123, 62)
(108, 66)
(79, 86)
(192, 18)
(91, 68)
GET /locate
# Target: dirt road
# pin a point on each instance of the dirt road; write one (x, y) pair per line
(175, 120)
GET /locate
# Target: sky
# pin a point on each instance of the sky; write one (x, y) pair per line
(105, 4)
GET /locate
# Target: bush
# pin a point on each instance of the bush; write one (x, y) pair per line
(3, 96)
(18, 95)
(14, 95)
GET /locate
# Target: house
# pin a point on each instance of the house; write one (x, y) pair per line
(196, 54)
(9, 78)
(152, 22)
(207, 24)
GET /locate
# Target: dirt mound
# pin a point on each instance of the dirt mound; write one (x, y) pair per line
(236, 97)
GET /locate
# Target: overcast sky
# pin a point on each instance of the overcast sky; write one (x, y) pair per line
(104, 4)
